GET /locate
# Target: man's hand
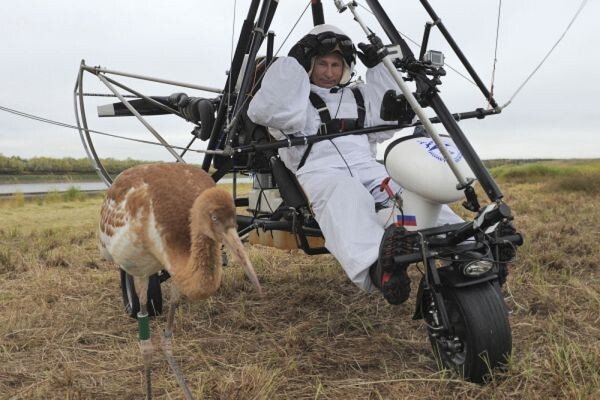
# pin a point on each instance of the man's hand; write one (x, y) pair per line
(368, 55)
(304, 51)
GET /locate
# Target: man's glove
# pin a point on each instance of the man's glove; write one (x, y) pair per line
(368, 55)
(305, 50)
(395, 107)
(407, 114)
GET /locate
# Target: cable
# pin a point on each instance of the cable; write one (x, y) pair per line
(260, 196)
(331, 140)
(581, 6)
(108, 95)
(419, 46)
(259, 80)
(495, 54)
(231, 59)
(291, 30)
(64, 125)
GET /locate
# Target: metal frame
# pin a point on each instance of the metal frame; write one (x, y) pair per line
(101, 74)
(232, 104)
(487, 182)
(224, 152)
(251, 38)
(84, 131)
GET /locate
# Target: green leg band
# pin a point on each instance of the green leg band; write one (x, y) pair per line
(143, 326)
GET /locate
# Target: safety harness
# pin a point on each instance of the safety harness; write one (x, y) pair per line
(329, 125)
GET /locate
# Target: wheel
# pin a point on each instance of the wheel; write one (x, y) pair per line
(480, 338)
(130, 298)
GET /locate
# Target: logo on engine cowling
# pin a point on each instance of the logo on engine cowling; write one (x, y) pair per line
(434, 151)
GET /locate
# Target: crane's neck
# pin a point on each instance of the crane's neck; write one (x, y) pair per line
(200, 275)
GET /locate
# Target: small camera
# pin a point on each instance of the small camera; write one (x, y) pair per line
(435, 58)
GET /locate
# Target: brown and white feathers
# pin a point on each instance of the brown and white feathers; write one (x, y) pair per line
(171, 216)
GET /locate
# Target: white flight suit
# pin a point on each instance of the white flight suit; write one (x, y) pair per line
(340, 177)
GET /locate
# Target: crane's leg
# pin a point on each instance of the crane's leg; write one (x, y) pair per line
(141, 289)
(167, 343)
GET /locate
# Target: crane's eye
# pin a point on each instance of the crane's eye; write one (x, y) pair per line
(213, 217)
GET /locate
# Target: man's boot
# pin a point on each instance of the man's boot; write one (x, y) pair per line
(393, 280)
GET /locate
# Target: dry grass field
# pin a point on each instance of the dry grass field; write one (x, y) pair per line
(64, 335)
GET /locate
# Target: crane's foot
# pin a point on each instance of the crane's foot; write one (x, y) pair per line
(167, 345)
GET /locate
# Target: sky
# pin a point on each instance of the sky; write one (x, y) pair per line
(42, 44)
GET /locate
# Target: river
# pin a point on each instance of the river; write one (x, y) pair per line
(44, 187)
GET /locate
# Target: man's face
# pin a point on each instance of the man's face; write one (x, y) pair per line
(327, 70)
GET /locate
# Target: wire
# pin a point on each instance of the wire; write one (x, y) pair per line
(331, 140)
(581, 6)
(393, 208)
(231, 59)
(495, 54)
(419, 46)
(107, 95)
(291, 30)
(260, 197)
(259, 80)
(64, 125)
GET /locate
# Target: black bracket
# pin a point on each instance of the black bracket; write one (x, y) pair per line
(471, 203)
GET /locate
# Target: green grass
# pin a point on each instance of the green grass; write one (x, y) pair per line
(570, 176)
(17, 200)
(545, 169)
(53, 213)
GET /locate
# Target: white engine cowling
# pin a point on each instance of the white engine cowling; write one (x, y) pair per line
(416, 163)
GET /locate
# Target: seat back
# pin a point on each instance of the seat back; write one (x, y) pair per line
(248, 132)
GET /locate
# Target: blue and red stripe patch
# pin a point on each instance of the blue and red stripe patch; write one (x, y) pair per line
(406, 220)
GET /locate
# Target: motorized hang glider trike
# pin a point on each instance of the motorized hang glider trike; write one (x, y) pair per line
(464, 265)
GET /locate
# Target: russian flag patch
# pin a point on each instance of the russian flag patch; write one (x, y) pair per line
(406, 220)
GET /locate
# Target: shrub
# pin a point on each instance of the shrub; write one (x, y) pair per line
(53, 196)
(588, 182)
(73, 194)
(527, 171)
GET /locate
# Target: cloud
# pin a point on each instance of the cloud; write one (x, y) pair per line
(554, 116)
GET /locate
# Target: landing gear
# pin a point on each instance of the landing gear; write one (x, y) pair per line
(479, 339)
(155, 300)
(130, 298)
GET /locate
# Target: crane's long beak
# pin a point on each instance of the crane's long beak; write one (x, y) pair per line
(232, 240)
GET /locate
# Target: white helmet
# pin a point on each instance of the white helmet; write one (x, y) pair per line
(324, 39)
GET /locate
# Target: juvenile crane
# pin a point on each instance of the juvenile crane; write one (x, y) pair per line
(172, 217)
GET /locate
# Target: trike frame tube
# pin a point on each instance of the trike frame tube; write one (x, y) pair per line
(481, 173)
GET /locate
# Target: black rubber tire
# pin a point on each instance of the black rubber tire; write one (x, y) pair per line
(479, 319)
(131, 300)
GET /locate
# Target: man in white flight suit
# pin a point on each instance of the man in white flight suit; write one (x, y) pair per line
(307, 94)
